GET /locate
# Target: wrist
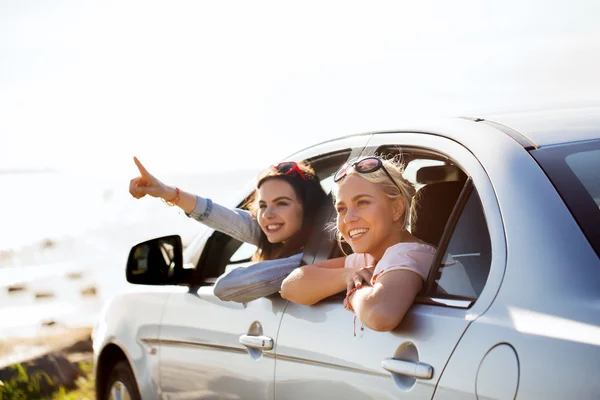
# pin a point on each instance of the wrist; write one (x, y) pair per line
(168, 192)
(172, 196)
(347, 300)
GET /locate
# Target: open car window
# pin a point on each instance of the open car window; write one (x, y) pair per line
(222, 253)
(243, 254)
(464, 257)
(465, 265)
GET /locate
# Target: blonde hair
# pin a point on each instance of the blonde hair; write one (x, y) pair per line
(404, 190)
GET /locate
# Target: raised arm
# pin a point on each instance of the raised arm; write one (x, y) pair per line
(382, 306)
(309, 284)
(237, 223)
(148, 184)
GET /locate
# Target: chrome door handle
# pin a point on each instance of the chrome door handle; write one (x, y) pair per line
(409, 368)
(257, 342)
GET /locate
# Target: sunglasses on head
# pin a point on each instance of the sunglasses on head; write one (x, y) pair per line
(287, 167)
(364, 165)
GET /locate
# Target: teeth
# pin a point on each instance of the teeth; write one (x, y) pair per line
(356, 232)
(271, 227)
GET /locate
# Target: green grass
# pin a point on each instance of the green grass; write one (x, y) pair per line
(25, 387)
(85, 386)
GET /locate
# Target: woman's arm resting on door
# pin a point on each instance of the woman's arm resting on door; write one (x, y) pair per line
(381, 307)
(258, 280)
(310, 284)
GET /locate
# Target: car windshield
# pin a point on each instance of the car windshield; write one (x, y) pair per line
(574, 169)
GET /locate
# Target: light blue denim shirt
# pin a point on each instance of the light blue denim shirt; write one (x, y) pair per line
(239, 224)
(250, 283)
(261, 279)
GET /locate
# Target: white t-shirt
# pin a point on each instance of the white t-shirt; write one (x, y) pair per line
(411, 256)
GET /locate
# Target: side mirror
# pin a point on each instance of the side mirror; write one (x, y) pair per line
(158, 262)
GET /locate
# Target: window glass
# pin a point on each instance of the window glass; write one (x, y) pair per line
(327, 184)
(466, 263)
(233, 266)
(586, 166)
(244, 253)
(410, 171)
(224, 253)
(573, 169)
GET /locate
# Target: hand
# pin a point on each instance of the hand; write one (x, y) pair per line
(147, 184)
(361, 277)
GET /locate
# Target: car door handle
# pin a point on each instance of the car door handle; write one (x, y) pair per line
(257, 342)
(409, 368)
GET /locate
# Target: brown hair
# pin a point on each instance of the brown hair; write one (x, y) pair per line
(312, 196)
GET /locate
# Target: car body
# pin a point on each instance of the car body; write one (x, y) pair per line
(516, 316)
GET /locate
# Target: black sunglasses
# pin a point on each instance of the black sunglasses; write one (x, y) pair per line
(363, 166)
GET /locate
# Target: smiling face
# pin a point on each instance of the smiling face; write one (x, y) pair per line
(280, 212)
(367, 219)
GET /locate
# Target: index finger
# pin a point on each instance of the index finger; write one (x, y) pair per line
(140, 167)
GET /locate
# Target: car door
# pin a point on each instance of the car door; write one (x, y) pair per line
(215, 349)
(210, 348)
(323, 352)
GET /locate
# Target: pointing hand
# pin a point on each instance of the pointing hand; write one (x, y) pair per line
(146, 183)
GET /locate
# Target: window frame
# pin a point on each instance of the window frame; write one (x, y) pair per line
(473, 166)
(446, 237)
(353, 145)
(429, 290)
(552, 160)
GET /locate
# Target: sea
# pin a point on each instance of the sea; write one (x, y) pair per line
(65, 238)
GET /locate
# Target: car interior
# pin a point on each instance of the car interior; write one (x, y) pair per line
(439, 182)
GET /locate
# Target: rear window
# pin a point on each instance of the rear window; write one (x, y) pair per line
(574, 169)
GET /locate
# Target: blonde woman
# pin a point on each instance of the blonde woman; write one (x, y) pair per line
(389, 265)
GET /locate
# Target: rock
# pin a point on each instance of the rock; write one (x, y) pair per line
(89, 291)
(47, 244)
(16, 288)
(74, 275)
(44, 295)
(51, 371)
(81, 346)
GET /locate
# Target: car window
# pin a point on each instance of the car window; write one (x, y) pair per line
(242, 257)
(466, 262)
(464, 266)
(583, 165)
(573, 169)
(243, 254)
(411, 169)
(327, 184)
(222, 253)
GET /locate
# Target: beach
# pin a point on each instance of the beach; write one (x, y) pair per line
(61, 261)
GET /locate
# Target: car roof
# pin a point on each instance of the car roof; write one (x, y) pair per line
(545, 127)
(531, 129)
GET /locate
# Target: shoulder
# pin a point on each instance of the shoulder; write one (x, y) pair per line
(410, 249)
(412, 256)
(358, 260)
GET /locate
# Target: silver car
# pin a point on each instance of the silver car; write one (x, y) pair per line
(513, 198)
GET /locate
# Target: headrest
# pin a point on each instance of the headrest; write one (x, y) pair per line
(434, 205)
(440, 173)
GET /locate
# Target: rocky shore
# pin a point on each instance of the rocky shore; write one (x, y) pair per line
(56, 363)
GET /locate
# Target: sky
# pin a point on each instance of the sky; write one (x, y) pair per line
(199, 86)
